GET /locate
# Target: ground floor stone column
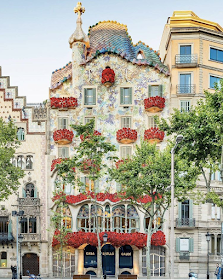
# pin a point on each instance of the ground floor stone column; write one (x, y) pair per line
(116, 262)
(80, 263)
(136, 261)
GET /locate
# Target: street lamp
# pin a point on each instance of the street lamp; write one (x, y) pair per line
(20, 238)
(17, 215)
(105, 239)
(208, 238)
(178, 140)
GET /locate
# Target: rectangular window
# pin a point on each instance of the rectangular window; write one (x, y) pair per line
(89, 96)
(216, 54)
(126, 152)
(156, 90)
(185, 50)
(184, 105)
(4, 224)
(126, 96)
(89, 185)
(63, 152)
(185, 209)
(28, 225)
(151, 122)
(88, 119)
(185, 83)
(214, 81)
(184, 244)
(62, 123)
(126, 122)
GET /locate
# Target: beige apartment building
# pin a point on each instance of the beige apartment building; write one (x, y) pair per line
(31, 196)
(192, 48)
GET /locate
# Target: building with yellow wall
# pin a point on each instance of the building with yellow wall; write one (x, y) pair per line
(192, 48)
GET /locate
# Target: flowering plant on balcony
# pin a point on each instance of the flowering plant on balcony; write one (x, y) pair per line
(154, 104)
(158, 238)
(113, 197)
(108, 77)
(87, 136)
(126, 135)
(154, 133)
(58, 161)
(89, 165)
(63, 136)
(76, 239)
(63, 102)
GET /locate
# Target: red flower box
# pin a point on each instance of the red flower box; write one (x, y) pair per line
(126, 135)
(153, 135)
(86, 137)
(63, 136)
(154, 104)
(108, 77)
(76, 239)
(63, 102)
(87, 165)
(58, 161)
(158, 238)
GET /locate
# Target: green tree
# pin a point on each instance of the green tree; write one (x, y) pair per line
(148, 173)
(90, 157)
(202, 128)
(9, 174)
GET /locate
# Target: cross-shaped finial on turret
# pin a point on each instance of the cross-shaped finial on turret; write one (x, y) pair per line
(79, 9)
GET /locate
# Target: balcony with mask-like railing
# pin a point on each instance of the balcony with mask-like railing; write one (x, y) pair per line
(185, 223)
(186, 61)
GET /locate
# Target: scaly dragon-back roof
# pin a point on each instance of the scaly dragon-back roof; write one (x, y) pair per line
(112, 37)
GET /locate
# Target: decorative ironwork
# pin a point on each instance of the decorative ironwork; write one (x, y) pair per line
(126, 135)
(154, 104)
(190, 59)
(63, 136)
(153, 135)
(185, 222)
(185, 256)
(185, 89)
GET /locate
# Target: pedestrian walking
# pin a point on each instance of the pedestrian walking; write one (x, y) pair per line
(218, 272)
(14, 271)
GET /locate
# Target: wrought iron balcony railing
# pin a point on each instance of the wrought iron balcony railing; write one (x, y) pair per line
(185, 89)
(185, 256)
(189, 60)
(185, 222)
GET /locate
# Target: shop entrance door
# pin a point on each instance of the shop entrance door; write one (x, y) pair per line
(108, 259)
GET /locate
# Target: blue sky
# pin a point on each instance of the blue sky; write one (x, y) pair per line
(34, 34)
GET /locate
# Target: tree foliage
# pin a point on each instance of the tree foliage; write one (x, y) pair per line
(148, 172)
(202, 128)
(9, 174)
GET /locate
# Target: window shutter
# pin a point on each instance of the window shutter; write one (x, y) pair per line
(191, 208)
(23, 192)
(121, 96)
(10, 230)
(150, 88)
(94, 96)
(35, 192)
(96, 186)
(177, 245)
(179, 213)
(218, 213)
(191, 245)
(130, 95)
(66, 152)
(82, 188)
(160, 90)
(85, 97)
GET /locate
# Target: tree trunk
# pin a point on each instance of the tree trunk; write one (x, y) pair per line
(148, 246)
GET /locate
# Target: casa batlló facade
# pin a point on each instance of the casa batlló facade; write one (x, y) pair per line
(122, 87)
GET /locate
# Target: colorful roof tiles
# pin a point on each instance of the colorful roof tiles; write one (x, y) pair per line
(112, 37)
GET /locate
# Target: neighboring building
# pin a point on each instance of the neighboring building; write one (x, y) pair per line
(79, 94)
(192, 48)
(31, 197)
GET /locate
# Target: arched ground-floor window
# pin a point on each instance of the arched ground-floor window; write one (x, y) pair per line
(67, 265)
(157, 261)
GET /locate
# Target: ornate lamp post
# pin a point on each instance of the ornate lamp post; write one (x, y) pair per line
(105, 239)
(208, 238)
(17, 215)
(178, 140)
(20, 238)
